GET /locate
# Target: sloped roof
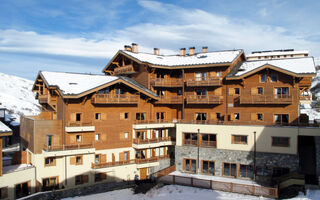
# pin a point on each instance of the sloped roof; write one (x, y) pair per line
(4, 128)
(299, 66)
(77, 83)
(218, 57)
(276, 53)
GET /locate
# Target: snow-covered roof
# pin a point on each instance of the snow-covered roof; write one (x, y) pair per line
(303, 65)
(4, 128)
(177, 60)
(75, 83)
(277, 53)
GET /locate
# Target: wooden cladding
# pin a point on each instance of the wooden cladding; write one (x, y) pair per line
(170, 100)
(204, 99)
(204, 81)
(115, 99)
(128, 69)
(167, 82)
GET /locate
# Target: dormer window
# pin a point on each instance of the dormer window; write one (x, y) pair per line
(104, 91)
(263, 78)
(274, 77)
(120, 91)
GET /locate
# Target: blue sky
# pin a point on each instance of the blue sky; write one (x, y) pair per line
(81, 35)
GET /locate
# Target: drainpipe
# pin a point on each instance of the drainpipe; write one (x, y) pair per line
(198, 160)
(254, 157)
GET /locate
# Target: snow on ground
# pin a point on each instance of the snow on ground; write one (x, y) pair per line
(311, 195)
(17, 97)
(311, 112)
(168, 192)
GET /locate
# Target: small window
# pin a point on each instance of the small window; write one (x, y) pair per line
(190, 165)
(219, 116)
(208, 167)
(274, 77)
(97, 137)
(50, 161)
(79, 160)
(78, 138)
(281, 141)
(78, 117)
(126, 135)
(263, 78)
(179, 92)
(218, 74)
(78, 179)
(239, 139)
(126, 155)
(98, 116)
(160, 116)
(126, 115)
(201, 116)
(97, 158)
(49, 140)
(140, 116)
(236, 116)
(260, 90)
(236, 90)
(281, 118)
(260, 117)
(100, 176)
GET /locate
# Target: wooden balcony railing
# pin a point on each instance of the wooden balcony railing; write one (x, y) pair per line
(212, 144)
(170, 100)
(154, 140)
(190, 142)
(77, 124)
(67, 147)
(44, 98)
(128, 69)
(115, 99)
(161, 82)
(204, 99)
(266, 99)
(128, 162)
(213, 81)
(304, 97)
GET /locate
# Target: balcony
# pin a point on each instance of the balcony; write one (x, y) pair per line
(152, 143)
(128, 69)
(160, 82)
(115, 99)
(216, 81)
(154, 140)
(205, 143)
(79, 127)
(44, 98)
(170, 100)
(204, 99)
(68, 147)
(266, 99)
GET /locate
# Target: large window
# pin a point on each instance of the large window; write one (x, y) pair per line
(229, 169)
(201, 76)
(160, 116)
(239, 139)
(208, 167)
(246, 171)
(141, 116)
(281, 141)
(201, 116)
(50, 161)
(281, 118)
(209, 140)
(281, 92)
(190, 139)
(190, 165)
(50, 183)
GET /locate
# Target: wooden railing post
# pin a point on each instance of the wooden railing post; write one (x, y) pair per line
(231, 187)
(174, 179)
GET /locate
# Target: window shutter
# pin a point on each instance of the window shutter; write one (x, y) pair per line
(121, 136)
(121, 115)
(213, 74)
(103, 136)
(254, 91)
(254, 116)
(128, 155)
(73, 117)
(184, 164)
(103, 158)
(85, 178)
(121, 156)
(72, 160)
(218, 91)
(231, 91)
(213, 116)
(103, 116)
(232, 116)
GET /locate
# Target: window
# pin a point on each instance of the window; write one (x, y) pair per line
(140, 116)
(236, 90)
(219, 117)
(119, 91)
(50, 161)
(190, 139)
(97, 158)
(78, 180)
(126, 155)
(160, 93)
(218, 74)
(246, 171)
(78, 117)
(263, 78)
(281, 92)
(190, 165)
(201, 116)
(97, 137)
(274, 77)
(281, 118)
(3, 192)
(160, 75)
(260, 90)
(140, 154)
(229, 169)
(78, 160)
(208, 167)
(50, 183)
(104, 91)
(49, 140)
(260, 117)
(78, 138)
(281, 141)
(126, 115)
(98, 116)
(201, 93)
(235, 116)
(140, 135)
(125, 135)
(239, 139)
(209, 140)
(160, 116)
(201, 76)
(100, 176)
(179, 92)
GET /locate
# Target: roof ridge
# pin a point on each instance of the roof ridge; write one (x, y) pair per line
(79, 73)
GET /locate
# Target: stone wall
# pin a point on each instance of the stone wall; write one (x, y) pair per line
(165, 163)
(317, 144)
(219, 156)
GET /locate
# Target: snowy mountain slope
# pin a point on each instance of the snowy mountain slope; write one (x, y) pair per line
(17, 97)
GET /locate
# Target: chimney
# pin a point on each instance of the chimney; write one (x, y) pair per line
(156, 51)
(191, 51)
(134, 48)
(182, 51)
(127, 48)
(204, 49)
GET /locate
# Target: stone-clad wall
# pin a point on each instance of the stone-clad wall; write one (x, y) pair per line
(317, 144)
(239, 157)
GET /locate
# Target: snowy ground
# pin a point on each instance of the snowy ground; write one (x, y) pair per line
(16, 96)
(177, 192)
